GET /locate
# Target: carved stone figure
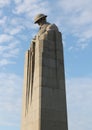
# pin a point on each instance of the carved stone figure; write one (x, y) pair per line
(45, 27)
(44, 96)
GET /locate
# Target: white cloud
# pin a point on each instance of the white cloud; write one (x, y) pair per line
(3, 20)
(5, 38)
(73, 6)
(17, 1)
(11, 53)
(86, 35)
(31, 8)
(83, 45)
(10, 46)
(77, 19)
(79, 95)
(10, 98)
(13, 31)
(9, 50)
(4, 3)
(70, 48)
(4, 62)
(19, 24)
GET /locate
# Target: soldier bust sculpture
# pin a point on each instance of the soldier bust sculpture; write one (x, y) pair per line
(40, 19)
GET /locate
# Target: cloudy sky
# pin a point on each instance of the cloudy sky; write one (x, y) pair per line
(74, 19)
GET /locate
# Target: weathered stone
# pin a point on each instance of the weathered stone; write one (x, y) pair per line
(44, 97)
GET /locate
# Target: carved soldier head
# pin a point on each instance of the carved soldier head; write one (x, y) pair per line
(40, 19)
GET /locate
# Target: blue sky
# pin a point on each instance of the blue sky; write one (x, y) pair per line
(74, 19)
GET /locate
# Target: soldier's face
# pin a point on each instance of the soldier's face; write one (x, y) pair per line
(39, 22)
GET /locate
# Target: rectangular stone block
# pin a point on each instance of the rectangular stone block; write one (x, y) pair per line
(44, 97)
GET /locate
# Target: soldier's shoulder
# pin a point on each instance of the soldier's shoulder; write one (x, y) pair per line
(52, 27)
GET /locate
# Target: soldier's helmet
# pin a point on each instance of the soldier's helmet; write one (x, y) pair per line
(38, 17)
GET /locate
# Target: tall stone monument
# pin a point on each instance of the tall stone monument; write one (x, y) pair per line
(44, 96)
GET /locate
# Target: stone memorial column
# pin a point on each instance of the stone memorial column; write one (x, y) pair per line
(44, 95)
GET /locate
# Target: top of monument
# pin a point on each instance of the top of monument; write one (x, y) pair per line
(38, 17)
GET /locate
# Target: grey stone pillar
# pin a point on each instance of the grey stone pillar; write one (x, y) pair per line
(44, 96)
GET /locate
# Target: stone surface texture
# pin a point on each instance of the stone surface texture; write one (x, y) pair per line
(44, 96)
